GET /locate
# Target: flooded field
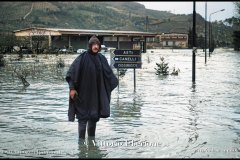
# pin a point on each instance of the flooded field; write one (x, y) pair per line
(166, 117)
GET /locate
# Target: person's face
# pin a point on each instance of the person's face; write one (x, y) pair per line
(95, 48)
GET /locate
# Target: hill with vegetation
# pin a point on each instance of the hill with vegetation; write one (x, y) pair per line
(130, 16)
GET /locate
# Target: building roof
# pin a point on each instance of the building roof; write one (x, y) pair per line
(61, 31)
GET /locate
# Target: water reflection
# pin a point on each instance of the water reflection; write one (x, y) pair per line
(193, 87)
(127, 105)
(125, 112)
(88, 148)
(192, 128)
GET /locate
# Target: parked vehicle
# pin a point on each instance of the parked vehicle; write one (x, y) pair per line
(25, 50)
(63, 50)
(104, 48)
(81, 50)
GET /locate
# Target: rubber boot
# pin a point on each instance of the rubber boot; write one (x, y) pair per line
(82, 129)
(91, 128)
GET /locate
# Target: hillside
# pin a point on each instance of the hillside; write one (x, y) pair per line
(95, 15)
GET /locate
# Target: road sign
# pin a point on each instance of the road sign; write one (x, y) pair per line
(127, 52)
(127, 59)
(127, 65)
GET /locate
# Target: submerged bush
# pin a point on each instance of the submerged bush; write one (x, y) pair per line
(2, 61)
(162, 67)
(60, 63)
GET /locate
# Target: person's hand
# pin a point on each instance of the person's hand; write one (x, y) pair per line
(73, 92)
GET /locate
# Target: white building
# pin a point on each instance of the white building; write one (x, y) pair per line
(174, 40)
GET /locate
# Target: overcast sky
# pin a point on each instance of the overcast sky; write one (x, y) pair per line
(187, 8)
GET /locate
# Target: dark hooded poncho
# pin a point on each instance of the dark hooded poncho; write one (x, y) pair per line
(93, 79)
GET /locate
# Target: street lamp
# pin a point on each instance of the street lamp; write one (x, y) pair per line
(211, 28)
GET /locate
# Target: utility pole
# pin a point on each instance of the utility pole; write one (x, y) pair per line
(205, 32)
(194, 44)
(146, 23)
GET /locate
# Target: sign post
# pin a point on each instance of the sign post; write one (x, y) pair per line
(134, 79)
(127, 59)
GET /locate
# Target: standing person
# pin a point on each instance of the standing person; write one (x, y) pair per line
(91, 81)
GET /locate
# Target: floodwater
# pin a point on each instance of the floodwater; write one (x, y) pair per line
(165, 117)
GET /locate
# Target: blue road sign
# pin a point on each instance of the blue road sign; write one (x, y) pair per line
(127, 52)
(127, 59)
(127, 65)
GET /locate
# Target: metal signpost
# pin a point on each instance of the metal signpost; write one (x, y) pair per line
(127, 59)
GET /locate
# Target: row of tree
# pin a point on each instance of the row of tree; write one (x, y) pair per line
(235, 22)
(220, 34)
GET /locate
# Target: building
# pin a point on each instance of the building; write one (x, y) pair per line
(174, 40)
(51, 38)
